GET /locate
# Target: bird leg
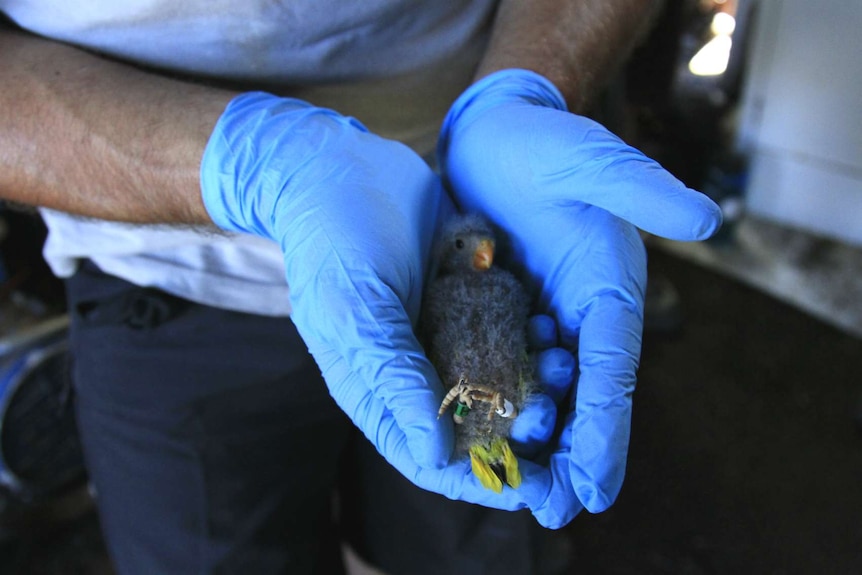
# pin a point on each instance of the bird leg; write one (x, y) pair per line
(497, 403)
(466, 393)
(465, 401)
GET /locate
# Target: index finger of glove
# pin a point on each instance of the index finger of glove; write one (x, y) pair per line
(609, 342)
(609, 352)
(586, 163)
(597, 297)
(549, 156)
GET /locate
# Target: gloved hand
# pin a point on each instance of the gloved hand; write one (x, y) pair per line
(568, 194)
(354, 215)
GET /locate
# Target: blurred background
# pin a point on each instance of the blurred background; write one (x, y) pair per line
(746, 450)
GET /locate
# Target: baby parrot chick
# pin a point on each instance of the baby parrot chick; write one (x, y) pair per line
(473, 327)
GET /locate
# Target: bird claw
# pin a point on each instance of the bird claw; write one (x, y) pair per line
(466, 393)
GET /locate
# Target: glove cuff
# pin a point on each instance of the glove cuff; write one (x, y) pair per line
(256, 134)
(221, 170)
(505, 86)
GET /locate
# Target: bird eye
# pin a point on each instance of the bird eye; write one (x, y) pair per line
(459, 244)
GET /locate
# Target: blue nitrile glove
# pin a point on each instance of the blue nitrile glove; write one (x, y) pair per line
(354, 215)
(568, 194)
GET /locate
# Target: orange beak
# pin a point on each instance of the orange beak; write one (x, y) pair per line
(483, 257)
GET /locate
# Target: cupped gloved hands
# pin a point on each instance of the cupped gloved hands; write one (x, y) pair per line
(569, 195)
(355, 215)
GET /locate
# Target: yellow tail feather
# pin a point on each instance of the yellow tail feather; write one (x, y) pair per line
(483, 471)
(510, 464)
(494, 464)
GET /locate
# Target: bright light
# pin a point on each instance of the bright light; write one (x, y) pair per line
(723, 24)
(712, 59)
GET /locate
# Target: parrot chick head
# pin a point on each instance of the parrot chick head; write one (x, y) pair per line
(466, 245)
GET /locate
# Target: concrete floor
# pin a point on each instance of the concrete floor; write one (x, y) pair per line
(746, 456)
(818, 275)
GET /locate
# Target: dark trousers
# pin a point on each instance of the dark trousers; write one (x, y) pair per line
(214, 447)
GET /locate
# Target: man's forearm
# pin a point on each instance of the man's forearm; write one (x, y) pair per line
(577, 44)
(89, 136)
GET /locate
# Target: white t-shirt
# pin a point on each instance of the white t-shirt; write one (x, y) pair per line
(396, 65)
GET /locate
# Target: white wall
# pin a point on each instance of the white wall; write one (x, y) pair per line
(801, 116)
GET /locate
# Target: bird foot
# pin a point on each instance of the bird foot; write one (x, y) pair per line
(466, 393)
